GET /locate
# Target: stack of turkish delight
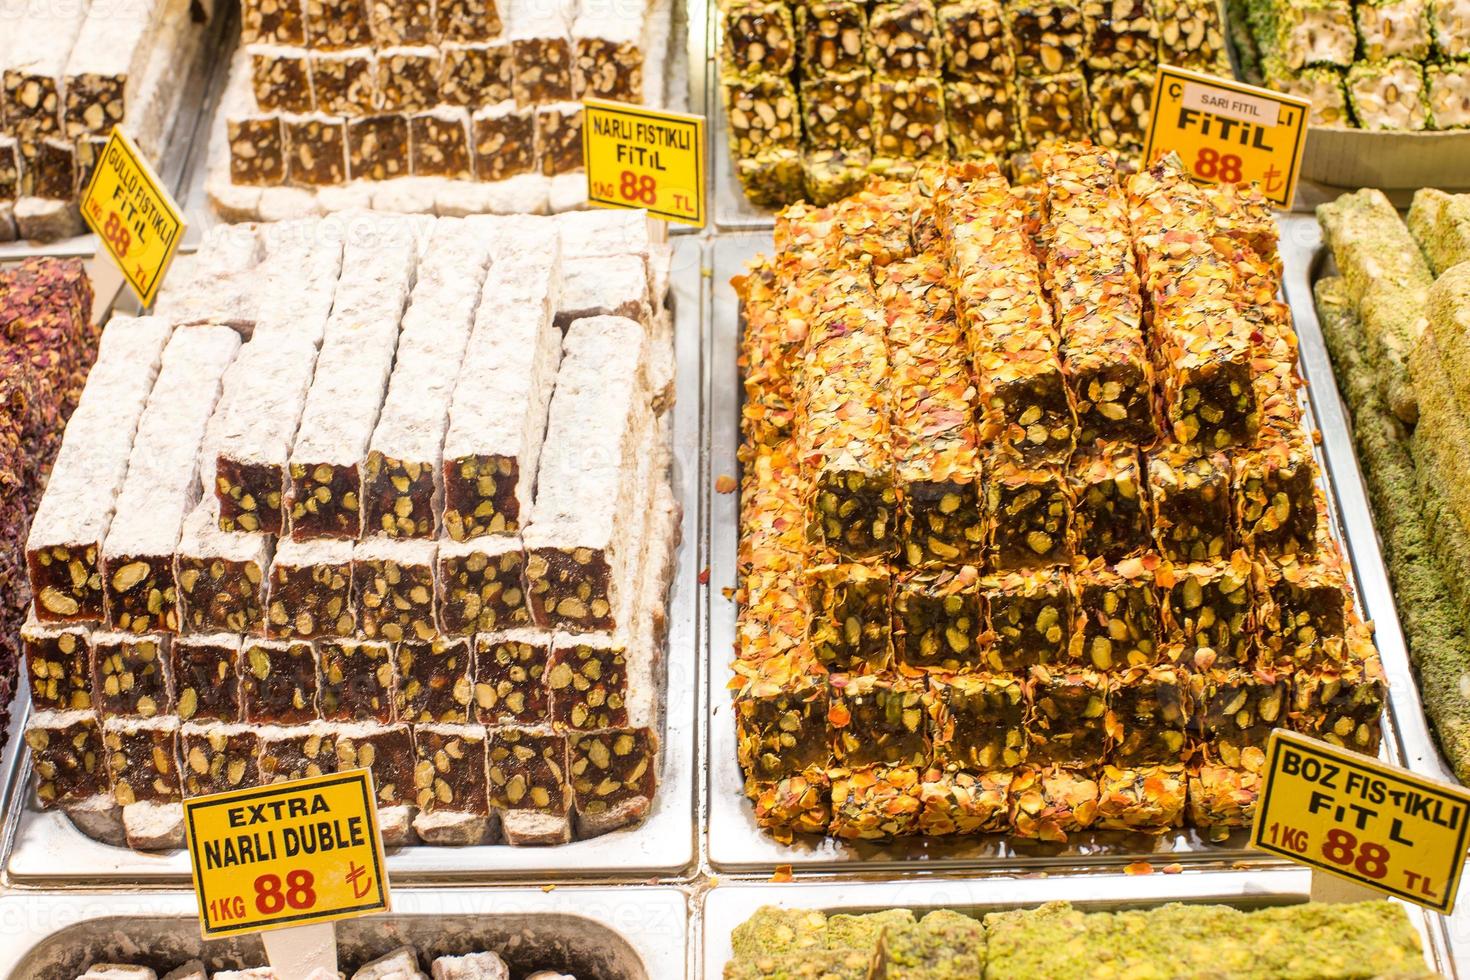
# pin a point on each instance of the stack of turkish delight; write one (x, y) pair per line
(456, 107)
(1374, 64)
(71, 72)
(402, 963)
(1031, 534)
(368, 491)
(47, 342)
(818, 95)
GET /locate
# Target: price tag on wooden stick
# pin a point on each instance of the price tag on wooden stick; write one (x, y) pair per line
(1228, 132)
(645, 158)
(1347, 815)
(288, 860)
(136, 220)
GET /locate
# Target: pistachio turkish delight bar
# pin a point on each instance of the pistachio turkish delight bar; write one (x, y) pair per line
(278, 681)
(162, 483)
(1389, 94)
(1234, 711)
(295, 752)
(1222, 798)
(393, 589)
(218, 758)
(879, 721)
(1050, 803)
(1209, 608)
(509, 677)
(1121, 34)
(1117, 612)
(837, 110)
(206, 677)
(963, 802)
(57, 665)
(1053, 107)
(434, 680)
(781, 713)
(475, 75)
(309, 590)
(936, 618)
(64, 545)
(1393, 28)
(344, 83)
(1303, 607)
(386, 751)
(498, 414)
(1149, 800)
(908, 118)
(1109, 497)
(257, 149)
(540, 35)
(1028, 516)
(876, 803)
(325, 465)
(844, 422)
(976, 40)
(1343, 704)
(1065, 719)
(979, 721)
(69, 759)
(851, 612)
(402, 479)
(1308, 32)
(1148, 716)
(1448, 93)
(833, 36)
(583, 534)
(357, 680)
(130, 676)
(450, 787)
(937, 465)
(614, 773)
(221, 575)
(1048, 36)
(1447, 19)
(1027, 619)
(1190, 498)
(142, 760)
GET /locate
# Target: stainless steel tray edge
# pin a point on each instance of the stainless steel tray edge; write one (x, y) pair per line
(737, 845)
(46, 851)
(724, 908)
(653, 921)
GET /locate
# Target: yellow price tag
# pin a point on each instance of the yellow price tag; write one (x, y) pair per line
(288, 854)
(1225, 131)
(1360, 819)
(134, 217)
(644, 158)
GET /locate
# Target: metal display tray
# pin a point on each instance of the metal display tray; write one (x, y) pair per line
(728, 906)
(44, 850)
(636, 933)
(737, 844)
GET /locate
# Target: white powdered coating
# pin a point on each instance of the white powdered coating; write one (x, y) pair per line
(405, 552)
(35, 631)
(285, 203)
(100, 818)
(222, 283)
(45, 220)
(51, 721)
(216, 641)
(455, 828)
(254, 973)
(133, 726)
(357, 353)
(162, 482)
(531, 635)
(93, 461)
(401, 964)
(473, 966)
(505, 383)
(615, 285)
(588, 484)
(493, 545)
(528, 828)
(299, 276)
(264, 395)
(407, 195)
(232, 202)
(604, 232)
(192, 970)
(291, 553)
(154, 826)
(202, 539)
(43, 41)
(355, 195)
(117, 971)
(529, 19)
(567, 192)
(154, 100)
(524, 245)
(1449, 94)
(203, 729)
(115, 41)
(431, 346)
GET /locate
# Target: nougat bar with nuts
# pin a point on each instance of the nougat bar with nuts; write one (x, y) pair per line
(316, 150)
(467, 20)
(762, 116)
(497, 418)
(272, 22)
(1109, 516)
(757, 38)
(393, 589)
(908, 118)
(206, 676)
(220, 574)
(434, 680)
(833, 37)
(528, 784)
(1236, 710)
(1302, 606)
(1147, 716)
(879, 721)
(218, 758)
(904, 39)
(68, 757)
(976, 40)
(1209, 607)
(1149, 800)
(540, 35)
(851, 616)
(614, 774)
(1191, 504)
(503, 137)
(449, 781)
(936, 618)
(1121, 34)
(1205, 362)
(963, 802)
(509, 677)
(130, 675)
(162, 483)
(875, 803)
(357, 680)
(323, 495)
(345, 83)
(1343, 703)
(278, 681)
(280, 78)
(979, 721)
(1120, 109)
(1066, 725)
(583, 538)
(1028, 516)
(1048, 36)
(481, 585)
(143, 760)
(332, 24)
(781, 713)
(58, 665)
(1050, 803)
(1275, 498)
(1027, 619)
(475, 75)
(296, 752)
(387, 751)
(309, 591)
(1117, 616)
(981, 111)
(377, 147)
(1053, 107)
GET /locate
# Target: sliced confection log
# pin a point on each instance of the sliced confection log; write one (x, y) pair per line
(9, 168)
(281, 79)
(401, 21)
(272, 22)
(540, 34)
(43, 219)
(342, 405)
(559, 138)
(509, 677)
(528, 785)
(218, 758)
(206, 677)
(450, 785)
(439, 143)
(393, 589)
(57, 665)
(217, 284)
(152, 104)
(403, 477)
(344, 83)
(387, 752)
(332, 24)
(408, 78)
(475, 75)
(257, 146)
(377, 147)
(615, 285)
(220, 575)
(621, 57)
(583, 531)
(162, 483)
(503, 136)
(467, 21)
(278, 681)
(434, 680)
(34, 68)
(309, 591)
(481, 585)
(296, 751)
(49, 169)
(130, 675)
(143, 763)
(63, 549)
(316, 150)
(68, 757)
(593, 233)
(357, 680)
(498, 413)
